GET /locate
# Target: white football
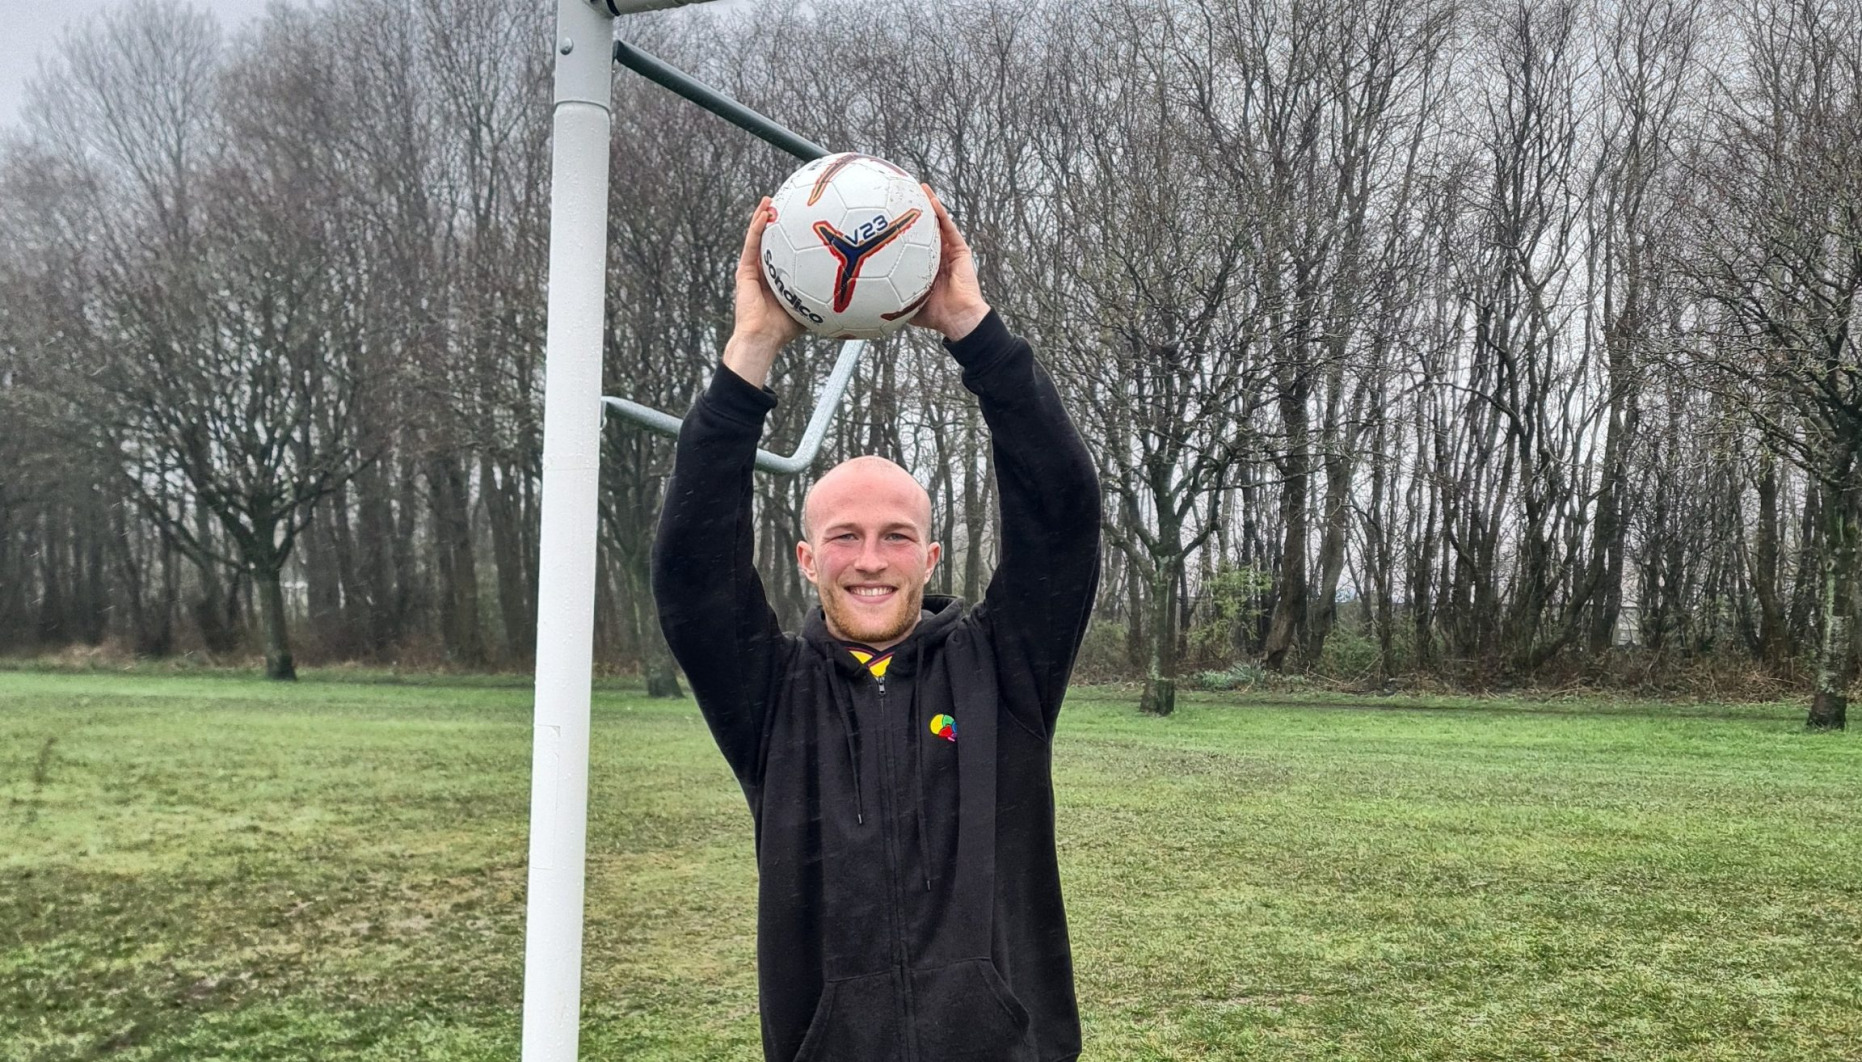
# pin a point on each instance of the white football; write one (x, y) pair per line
(853, 248)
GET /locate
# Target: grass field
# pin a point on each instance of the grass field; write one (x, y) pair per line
(214, 868)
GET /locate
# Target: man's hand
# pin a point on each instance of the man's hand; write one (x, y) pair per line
(762, 327)
(955, 306)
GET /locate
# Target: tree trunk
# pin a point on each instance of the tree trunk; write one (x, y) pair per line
(374, 590)
(151, 621)
(414, 590)
(1160, 677)
(1829, 705)
(1160, 695)
(323, 590)
(514, 597)
(51, 619)
(1137, 634)
(278, 664)
(1380, 549)
(164, 642)
(1422, 572)
(1323, 611)
(93, 582)
(1772, 633)
(458, 564)
(1810, 546)
(215, 612)
(1290, 603)
(342, 537)
(13, 577)
(662, 677)
(1606, 567)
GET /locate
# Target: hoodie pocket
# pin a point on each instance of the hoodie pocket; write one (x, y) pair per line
(857, 1020)
(966, 1012)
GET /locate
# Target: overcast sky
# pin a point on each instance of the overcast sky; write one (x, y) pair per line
(30, 28)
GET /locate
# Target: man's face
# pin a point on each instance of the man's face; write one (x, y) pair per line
(868, 550)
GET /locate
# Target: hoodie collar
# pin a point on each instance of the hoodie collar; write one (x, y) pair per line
(939, 618)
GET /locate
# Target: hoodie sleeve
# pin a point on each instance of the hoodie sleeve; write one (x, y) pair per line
(711, 602)
(1047, 572)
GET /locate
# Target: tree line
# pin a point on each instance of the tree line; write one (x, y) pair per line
(1477, 341)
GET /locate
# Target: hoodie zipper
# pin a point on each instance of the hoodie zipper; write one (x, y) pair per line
(888, 819)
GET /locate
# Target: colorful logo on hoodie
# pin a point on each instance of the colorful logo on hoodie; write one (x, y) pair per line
(944, 726)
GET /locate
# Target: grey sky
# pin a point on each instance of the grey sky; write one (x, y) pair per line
(30, 28)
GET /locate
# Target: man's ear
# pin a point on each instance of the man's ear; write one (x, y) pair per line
(805, 559)
(932, 556)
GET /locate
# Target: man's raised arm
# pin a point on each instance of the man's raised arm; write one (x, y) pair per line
(1047, 573)
(711, 602)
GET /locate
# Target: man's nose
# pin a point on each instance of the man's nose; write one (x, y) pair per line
(871, 558)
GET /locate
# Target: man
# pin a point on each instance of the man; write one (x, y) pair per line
(895, 754)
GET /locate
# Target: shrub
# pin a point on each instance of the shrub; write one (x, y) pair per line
(1105, 653)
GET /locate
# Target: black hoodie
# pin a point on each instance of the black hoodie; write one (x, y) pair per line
(909, 901)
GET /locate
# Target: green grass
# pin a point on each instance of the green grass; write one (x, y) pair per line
(214, 868)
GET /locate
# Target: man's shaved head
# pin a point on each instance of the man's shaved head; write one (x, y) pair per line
(863, 477)
(867, 548)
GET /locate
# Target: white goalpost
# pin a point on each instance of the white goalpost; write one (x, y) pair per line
(566, 574)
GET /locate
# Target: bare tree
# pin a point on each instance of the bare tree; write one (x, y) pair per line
(1780, 230)
(1649, 64)
(211, 382)
(1155, 340)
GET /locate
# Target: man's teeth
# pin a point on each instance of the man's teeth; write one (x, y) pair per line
(871, 591)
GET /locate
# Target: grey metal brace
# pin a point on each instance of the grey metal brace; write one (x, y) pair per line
(663, 73)
(817, 429)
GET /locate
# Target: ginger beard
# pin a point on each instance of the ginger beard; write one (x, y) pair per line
(854, 621)
(866, 550)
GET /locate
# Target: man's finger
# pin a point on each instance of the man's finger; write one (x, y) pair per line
(753, 239)
(947, 228)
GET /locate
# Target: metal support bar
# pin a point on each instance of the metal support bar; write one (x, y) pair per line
(660, 72)
(810, 446)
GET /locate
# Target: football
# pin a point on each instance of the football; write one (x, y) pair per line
(853, 247)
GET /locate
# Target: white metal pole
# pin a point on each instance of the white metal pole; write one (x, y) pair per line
(566, 572)
(571, 478)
